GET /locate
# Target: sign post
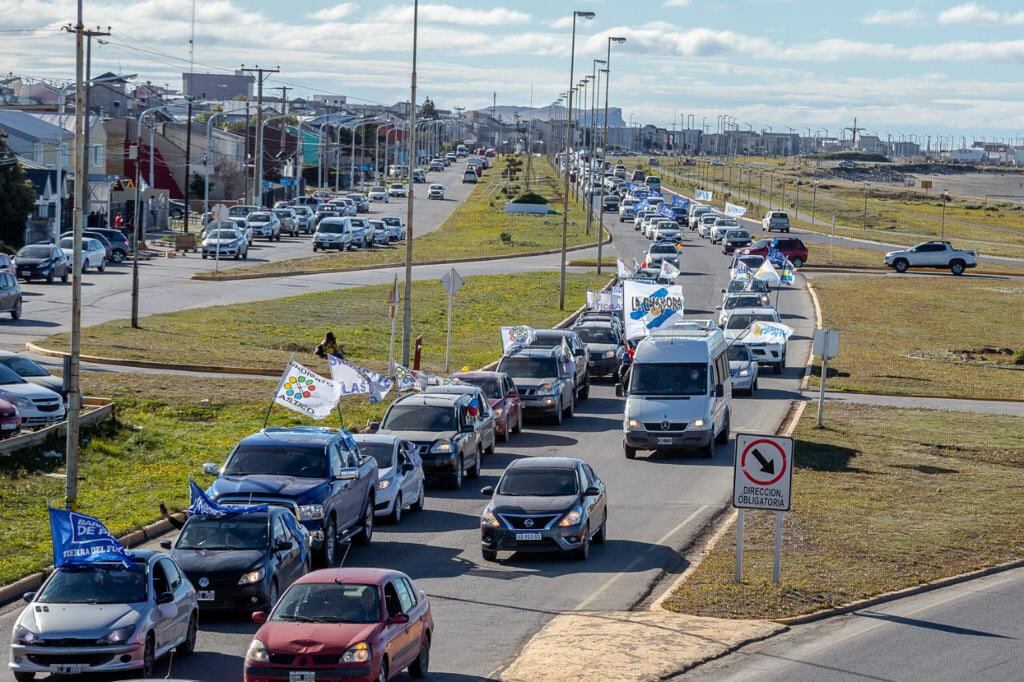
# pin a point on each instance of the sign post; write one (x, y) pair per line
(452, 282)
(392, 304)
(826, 345)
(218, 214)
(762, 479)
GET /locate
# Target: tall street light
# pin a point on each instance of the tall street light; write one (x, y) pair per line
(568, 141)
(604, 145)
(407, 308)
(945, 198)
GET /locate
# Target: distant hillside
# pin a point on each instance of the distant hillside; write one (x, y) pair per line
(507, 113)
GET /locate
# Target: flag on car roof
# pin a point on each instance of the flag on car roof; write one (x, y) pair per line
(768, 332)
(513, 338)
(200, 504)
(82, 539)
(768, 274)
(777, 258)
(621, 270)
(668, 270)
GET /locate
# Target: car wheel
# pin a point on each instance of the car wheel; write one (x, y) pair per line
(519, 423)
(628, 451)
(753, 386)
(103, 265)
(456, 478)
(330, 547)
(314, 248)
(245, 255)
(419, 668)
(798, 262)
(149, 657)
(602, 532)
(723, 436)
(489, 554)
(901, 265)
(707, 451)
(64, 277)
(582, 553)
(49, 277)
(777, 367)
(489, 450)
(382, 674)
(118, 256)
(957, 267)
(474, 471)
(395, 517)
(557, 416)
(585, 393)
(204, 256)
(238, 255)
(24, 677)
(189, 645)
(365, 535)
(421, 500)
(16, 313)
(507, 435)
(571, 410)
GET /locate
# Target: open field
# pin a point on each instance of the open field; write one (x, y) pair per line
(883, 499)
(478, 228)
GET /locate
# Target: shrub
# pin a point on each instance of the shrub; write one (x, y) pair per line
(529, 198)
(505, 238)
(1018, 359)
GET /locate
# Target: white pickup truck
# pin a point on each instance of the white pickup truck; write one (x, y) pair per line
(932, 255)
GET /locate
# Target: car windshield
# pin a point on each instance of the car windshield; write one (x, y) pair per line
(67, 243)
(240, 532)
(104, 584)
(726, 223)
(539, 483)
(393, 222)
(33, 252)
(8, 376)
(761, 244)
(757, 285)
(24, 367)
(744, 320)
(259, 218)
(223, 234)
(490, 387)
(663, 248)
(529, 367)
(283, 212)
(739, 353)
(277, 460)
(331, 228)
(329, 603)
(420, 418)
(752, 262)
(596, 335)
(384, 453)
(685, 378)
(748, 301)
(738, 234)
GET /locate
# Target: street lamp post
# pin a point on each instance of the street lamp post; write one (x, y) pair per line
(568, 144)
(604, 145)
(407, 307)
(138, 214)
(206, 162)
(945, 197)
(814, 198)
(865, 206)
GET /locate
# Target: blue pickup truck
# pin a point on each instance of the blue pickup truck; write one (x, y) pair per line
(318, 473)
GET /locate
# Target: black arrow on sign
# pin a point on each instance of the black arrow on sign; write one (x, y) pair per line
(767, 465)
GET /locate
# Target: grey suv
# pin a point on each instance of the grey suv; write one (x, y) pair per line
(447, 429)
(552, 338)
(545, 384)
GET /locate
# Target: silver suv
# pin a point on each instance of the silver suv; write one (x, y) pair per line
(775, 220)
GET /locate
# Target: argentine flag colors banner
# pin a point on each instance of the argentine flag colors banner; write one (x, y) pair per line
(650, 306)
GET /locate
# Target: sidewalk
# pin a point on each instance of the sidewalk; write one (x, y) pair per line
(1013, 409)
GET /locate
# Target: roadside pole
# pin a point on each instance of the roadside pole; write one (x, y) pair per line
(826, 345)
(777, 559)
(832, 241)
(762, 479)
(738, 571)
(393, 316)
(451, 282)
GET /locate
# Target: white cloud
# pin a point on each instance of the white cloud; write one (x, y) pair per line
(336, 13)
(675, 3)
(884, 17)
(973, 13)
(447, 14)
(561, 23)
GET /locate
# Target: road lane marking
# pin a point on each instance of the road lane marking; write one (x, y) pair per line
(635, 562)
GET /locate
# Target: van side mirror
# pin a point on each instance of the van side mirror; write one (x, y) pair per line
(719, 391)
(374, 427)
(487, 490)
(165, 544)
(620, 390)
(211, 469)
(259, 617)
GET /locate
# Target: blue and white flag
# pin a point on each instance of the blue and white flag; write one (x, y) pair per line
(567, 359)
(650, 306)
(735, 210)
(680, 202)
(776, 257)
(703, 195)
(668, 271)
(200, 504)
(82, 539)
(742, 272)
(787, 273)
(409, 380)
(768, 332)
(605, 301)
(354, 380)
(621, 270)
(514, 338)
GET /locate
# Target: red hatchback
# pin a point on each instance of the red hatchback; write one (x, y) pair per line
(343, 624)
(503, 397)
(792, 247)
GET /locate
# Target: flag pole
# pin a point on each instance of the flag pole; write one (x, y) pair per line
(277, 390)
(393, 314)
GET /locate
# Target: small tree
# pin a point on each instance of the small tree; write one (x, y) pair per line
(197, 186)
(16, 196)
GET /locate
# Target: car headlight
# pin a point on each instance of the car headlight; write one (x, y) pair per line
(546, 389)
(498, 411)
(311, 512)
(20, 402)
(383, 484)
(25, 636)
(490, 520)
(252, 576)
(633, 424)
(257, 652)
(119, 635)
(697, 423)
(441, 447)
(744, 372)
(571, 519)
(357, 653)
(609, 354)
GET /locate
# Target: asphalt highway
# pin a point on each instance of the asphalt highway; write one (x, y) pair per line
(484, 612)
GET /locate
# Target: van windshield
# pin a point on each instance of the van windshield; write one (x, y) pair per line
(685, 378)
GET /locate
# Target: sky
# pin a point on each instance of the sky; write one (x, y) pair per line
(928, 68)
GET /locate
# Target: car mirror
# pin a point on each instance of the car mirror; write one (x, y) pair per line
(513, 394)
(398, 619)
(719, 391)
(718, 307)
(723, 291)
(348, 474)
(407, 467)
(259, 617)
(592, 491)
(487, 490)
(211, 469)
(165, 598)
(165, 544)
(28, 596)
(283, 545)
(374, 427)
(620, 390)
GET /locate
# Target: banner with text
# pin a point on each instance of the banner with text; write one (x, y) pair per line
(650, 306)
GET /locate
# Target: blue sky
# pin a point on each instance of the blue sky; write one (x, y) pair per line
(926, 67)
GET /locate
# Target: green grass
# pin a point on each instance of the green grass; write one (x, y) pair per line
(266, 333)
(883, 499)
(845, 256)
(906, 334)
(473, 230)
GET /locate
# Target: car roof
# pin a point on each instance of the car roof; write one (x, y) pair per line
(376, 437)
(544, 463)
(534, 352)
(349, 575)
(753, 310)
(295, 435)
(479, 374)
(433, 399)
(454, 389)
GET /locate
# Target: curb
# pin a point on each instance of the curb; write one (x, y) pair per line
(806, 380)
(900, 594)
(13, 592)
(202, 277)
(145, 364)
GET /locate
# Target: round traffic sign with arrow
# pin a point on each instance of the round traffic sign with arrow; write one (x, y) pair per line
(763, 462)
(762, 472)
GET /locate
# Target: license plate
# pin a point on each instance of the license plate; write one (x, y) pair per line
(664, 441)
(66, 669)
(591, 363)
(205, 595)
(8, 427)
(301, 676)
(527, 536)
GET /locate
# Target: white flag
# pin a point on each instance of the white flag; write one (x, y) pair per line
(703, 195)
(305, 391)
(734, 210)
(768, 332)
(354, 380)
(768, 274)
(516, 337)
(622, 270)
(668, 270)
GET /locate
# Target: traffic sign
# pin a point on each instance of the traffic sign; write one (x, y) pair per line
(826, 343)
(452, 282)
(220, 212)
(762, 472)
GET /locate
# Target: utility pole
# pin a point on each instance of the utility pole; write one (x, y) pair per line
(854, 130)
(188, 158)
(257, 182)
(284, 110)
(407, 308)
(88, 96)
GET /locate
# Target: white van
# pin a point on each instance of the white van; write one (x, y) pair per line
(679, 394)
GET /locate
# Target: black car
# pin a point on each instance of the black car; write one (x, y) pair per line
(244, 561)
(41, 261)
(113, 240)
(735, 239)
(545, 504)
(10, 295)
(605, 344)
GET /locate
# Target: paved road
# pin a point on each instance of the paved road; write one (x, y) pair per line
(971, 631)
(486, 611)
(166, 284)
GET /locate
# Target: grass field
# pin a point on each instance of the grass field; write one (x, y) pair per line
(844, 255)
(477, 228)
(924, 335)
(883, 499)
